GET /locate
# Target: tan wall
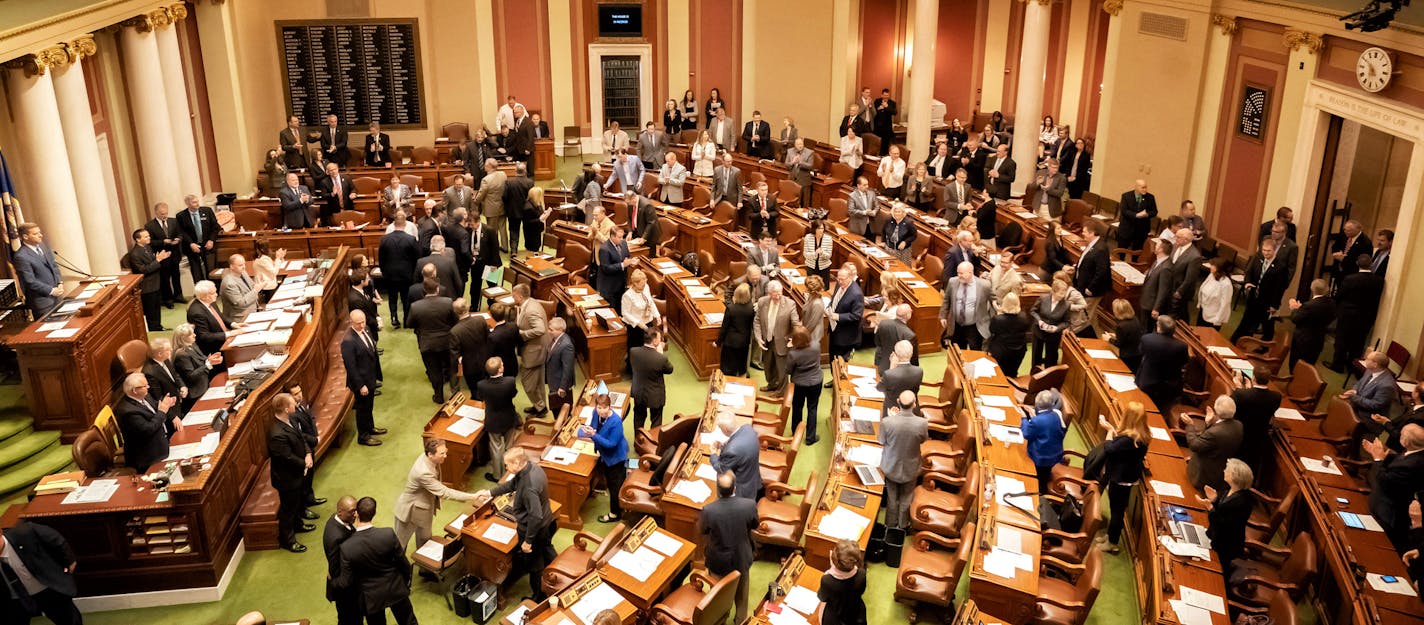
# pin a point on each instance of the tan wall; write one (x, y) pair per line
(798, 81)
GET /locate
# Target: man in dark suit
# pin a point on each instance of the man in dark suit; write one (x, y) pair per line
(469, 342)
(1156, 297)
(559, 366)
(378, 147)
(339, 528)
(504, 341)
(845, 312)
(727, 183)
(144, 262)
(1163, 358)
(900, 375)
(972, 157)
(884, 124)
(516, 195)
(1285, 217)
(1384, 242)
(1395, 427)
(485, 243)
(889, 331)
(375, 570)
(959, 253)
(756, 136)
(305, 422)
(727, 525)
(538, 128)
(167, 237)
(1348, 246)
(357, 299)
(999, 173)
(765, 256)
(37, 271)
(1265, 284)
(1358, 298)
(431, 318)
(1256, 405)
(534, 519)
(291, 459)
(163, 379)
(649, 393)
(296, 201)
(447, 272)
(38, 566)
(1213, 442)
(333, 142)
(1311, 320)
(1093, 274)
(210, 326)
(144, 423)
(363, 372)
(293, 146)
(1395, 481)
(1135, 212)
(1186, 272)
(198, 229)
(855, 120)
(456, 232)
(521, 137)
(339, 191)
(397, 256)
(762, 211)
(643, 226)
(613, 262)
(497, 391)
(740, 454)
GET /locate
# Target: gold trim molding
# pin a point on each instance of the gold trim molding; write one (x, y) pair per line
(1226, 23)
(140, 23)
(83, 46)
(40, 62)
(161, 17)
(1294, 39)
(1113, 7)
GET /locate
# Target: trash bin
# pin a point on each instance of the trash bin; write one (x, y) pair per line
(461, 593)
(894, 543)
(875, 551)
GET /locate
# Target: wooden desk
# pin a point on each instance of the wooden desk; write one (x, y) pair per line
(570, 482)
(600, 338)
(681, 512)
(67, 381)
(795, 573)
(540, 272)
(644, 544)
(1013, 597)
(463, 450)
(833, 496)
(490, 540)
(694, 313)
(585, 597)
(300, 244)
(544, 165)
(924, 299)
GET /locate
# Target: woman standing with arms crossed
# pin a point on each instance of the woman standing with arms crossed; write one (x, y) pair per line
(1125, 448)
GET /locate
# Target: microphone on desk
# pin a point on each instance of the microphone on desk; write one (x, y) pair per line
(67, 264)
(563, 186)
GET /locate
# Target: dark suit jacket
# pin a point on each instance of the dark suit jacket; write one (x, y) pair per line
(1156, 288)
(858, 123)
(1186, 275)
(295, 214)
(287, 451)
(898, 380)
(38, 275)
(209, 220)
(45, 553)
(1361, 246)
(397, 256)
(1226, 523)
(363, 365)
(741, 455)
(559, 367)
(1163, 358)
(999, 188)
(952, 259)
(762, 146)
(516, 194)
(209, 332)
(457, 240)
(1358, 296)
(488, 253)
(142, 261)
(305, 422)
(292, 144)
(446, 272)
(504, 342)
(373, 566)
(192, 367)
(342, 154)
(337, 203)
(161, 384)
(1312, 322)
(1094, 275)
(378, 158)
(1394, 482)
(356, 299)
(1270, 286)
(887, 333)
(649, 367)
(1129, 224)
(648, 227)
(1265, 230)
(727, 524)
(162, 232)
(736, 330)
(973, 164)
(145, 432)
(470, 341)
(532, 513)
(1211, 447)
(332, 536)
(612, 276)
(431, 318)
(848, 312)
(498, 395)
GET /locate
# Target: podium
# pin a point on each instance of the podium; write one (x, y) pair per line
(544, 159)
(69, 379)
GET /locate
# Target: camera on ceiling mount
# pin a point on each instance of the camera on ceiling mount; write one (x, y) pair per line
(1375, 16)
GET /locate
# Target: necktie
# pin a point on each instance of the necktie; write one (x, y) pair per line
(964, 304)
(770, 316)
(336, 187)
(168, 371)
(365, 338)
(197, 224)
(1264, 268)
(959, 192)
(221, 324)
(1379, 258)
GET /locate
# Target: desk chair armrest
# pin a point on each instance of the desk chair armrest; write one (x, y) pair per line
(1251, 580)
(1301, 400)
(772, 441)
(923, 541)
(1066, 537)
(699, 579)
(647, 462)
(1076, 606)
(946, 430)
(932, 479)
(776, 491)
(1237, 607)
(1071, 570)
(1283, 378)
(583, 539)
(1251, 343)
(1266, 501)
(1272, 555)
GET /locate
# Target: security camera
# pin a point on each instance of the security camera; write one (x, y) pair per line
(1374, 16)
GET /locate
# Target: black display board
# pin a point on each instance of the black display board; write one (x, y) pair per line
(361, 69)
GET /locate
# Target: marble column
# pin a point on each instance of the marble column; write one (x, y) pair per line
(1028, 108)
(149, 104)
(49, 199)
(1305, 48)
(1209, 113)
(217, 34)
(95, 209)
(919, 98)
(175, 89)
(1103, 131)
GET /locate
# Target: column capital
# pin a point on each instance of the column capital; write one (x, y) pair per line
(1294, 39)
(140, 23)
(1113, 7)
(38, 63)
(1227, 23)
(162, 17)
(83, 46)
(179, 11)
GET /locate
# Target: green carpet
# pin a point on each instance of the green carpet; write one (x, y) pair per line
(288, 586)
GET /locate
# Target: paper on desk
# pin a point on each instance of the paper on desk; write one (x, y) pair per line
(640, 564)
(1129, 274)
(706, 472)
(1102, 354)
(802, 599)
(745, 390)
(470, 412)
(865, 454)
(558, 454)
(714, 317)
(502, 534)
(907, 275)
(431, 550)
(1003, 563)
(1204, 600)
(864, 413)
(1167, 489)
(1006, 434)
(860, 371)
(843, 524)
(295, 265)
(209, 443)
(998, 401)
(1160, 434)
(662, 543)
(993, 414)
(516, 617)
(97, 491)
(1221, 350)
(1184, 549)
(787, 617)
(866, 391)
(262, 315)
(460, 520)
(1239, 363)
(1289, 413)
(695, 490)
(64, 334)
(51, 326)
(728, 399)
(286, 320)
(981, 368)
(71, 307)
(1008, 539)
(200, 417)
(463, 427)
(1120, 382)
(1398, 586)
(602, 597)
(1311, 464)
(1189, 614)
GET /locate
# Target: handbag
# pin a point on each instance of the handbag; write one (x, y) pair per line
(1095, 463)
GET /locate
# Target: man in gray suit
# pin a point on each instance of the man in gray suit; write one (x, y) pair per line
(888, 332)
(765, 256)
(802, 163)
(628, 170)
(1047, 192)
(296, 204)
(727, 524)
(862, 208)
(459, 194)
(1374, 393)
(775, 317)
(671, 177)
(901, 433)
(727, 183)
(958, 197)
(740, 454)
(652, 145)
(37, 271)
(237, 293)
(490, 199)
(1212, 442)
(901, 375)
(559, 367)
(1156, 286)
(965, 312)
(724, 131)
(533, 327)
(446, 272)
(1186, 272)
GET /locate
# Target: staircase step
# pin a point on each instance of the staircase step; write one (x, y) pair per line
(13, 425)
(17, 448)
(25, 475)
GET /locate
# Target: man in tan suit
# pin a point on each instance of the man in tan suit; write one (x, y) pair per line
(416, 507)
(775, 317)
(490, 201)
(533, 327)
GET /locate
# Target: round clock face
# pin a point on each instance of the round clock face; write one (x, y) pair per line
(1374, 69)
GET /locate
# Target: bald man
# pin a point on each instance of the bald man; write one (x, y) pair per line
(1135, 212)
(1395, 481)
(363, 371)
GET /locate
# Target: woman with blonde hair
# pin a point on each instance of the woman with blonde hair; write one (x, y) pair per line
(1008, 335)
(1051, 318)
(264, 269)
(640, 312)
(735, 336)
(194, 367)
(1124, 450)
(1128, 334)
(704, 155)
(535, 212)
(1078, 320)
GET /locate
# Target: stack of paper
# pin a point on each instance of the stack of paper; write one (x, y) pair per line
(801, 599)
(463, 427)
(843, 524)
(219, 392)
(865, 454)
(695, 490)
(1120, 382)
(706, 472)
(1204, 600)
(860, 371)
(745, 390)
(602, 597)
(431, 550)
(1290, 414)
(1188, 614)
(1319, 466)
(640, 564)
(662, 543)
(1006, 434)
(993, 414)
(1160, 434)
(502, 534)
(470, 412)
(714, 317)
(999, 401)
(864, 413)
(1129, 273)
(1167, 489)
(1222, 350)
(1102, 354)
(559, 454)
(97, 491)
(1003, 563)
(787, 617)
(1184, 549)
(200, 417)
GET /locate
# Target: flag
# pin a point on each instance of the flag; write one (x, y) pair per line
(10, 203)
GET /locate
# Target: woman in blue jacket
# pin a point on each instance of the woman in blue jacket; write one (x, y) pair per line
(606, 433)
(1043, 432)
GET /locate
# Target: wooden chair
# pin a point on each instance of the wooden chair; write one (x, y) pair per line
(642, 491)
(701, 199)
(1276, 351)
(842, 172)
(789, 193)
(1027, 387)
(943, 503)
(1270, 569)
(94, 454)
(451, 548)
(1073, 547)
(422, 155)
(572, 141)
(725, 212)
(668, 232)
(771, 414)
(754, 178)
(1075, 212)
(932, 267)
(700, 601)
(656, 441)
(708, 266)
(931, 570)
(354, 217)
(1067, 602)
(936, 407)
(253, 219)
(132, 356)
(411, 180)
(579, 558)
(1303, 386)
(367, 185)
(837, 210)
(778, 454)
(455, 132)
(952, 457)
(1335, 426)
(1270, 514)
(781, 521)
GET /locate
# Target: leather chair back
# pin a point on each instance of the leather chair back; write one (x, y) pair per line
(837, 210)
(755, 177)
(576, 256)
(132, 356)
(422, 154)
(1303, 564)
(1282, 610)
(844, 172)
(709, 265)
(253, 219)
(934, 268)
(351, 216)
(791, 233)
(609, 544)
(1089, 583)
(92, 453)
(1050, 378)
(725, 212)
(1339, 419)
(715, 605)
(1305, 387)
(679, 432)
(788, 193)
(1282, 511)
(813, 495)
(456, 131)
(411, 180)
(701, 198)
(367, 185)
(649, 185)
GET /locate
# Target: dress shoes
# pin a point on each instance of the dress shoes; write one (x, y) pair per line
(765, 389)
(317, 501)
(756, 366)
(310, 515)
(375, 432)
(306, 527)
(395, 325)
(829, 385)
(438, 398)
(531, 410)
(295, 547)
(491, 477)
(369, 441)
(812, 440)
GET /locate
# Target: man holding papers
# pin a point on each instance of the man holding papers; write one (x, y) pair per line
(728, 523)
(416, 507)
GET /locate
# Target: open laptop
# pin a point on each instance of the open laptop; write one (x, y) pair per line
(869, 476)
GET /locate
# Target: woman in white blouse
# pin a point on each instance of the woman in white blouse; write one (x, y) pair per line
(817, 250)
(704, 155)
(1214, 296)
(852, 149)
(264, 269)
(1048, 132)
(640, 312)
